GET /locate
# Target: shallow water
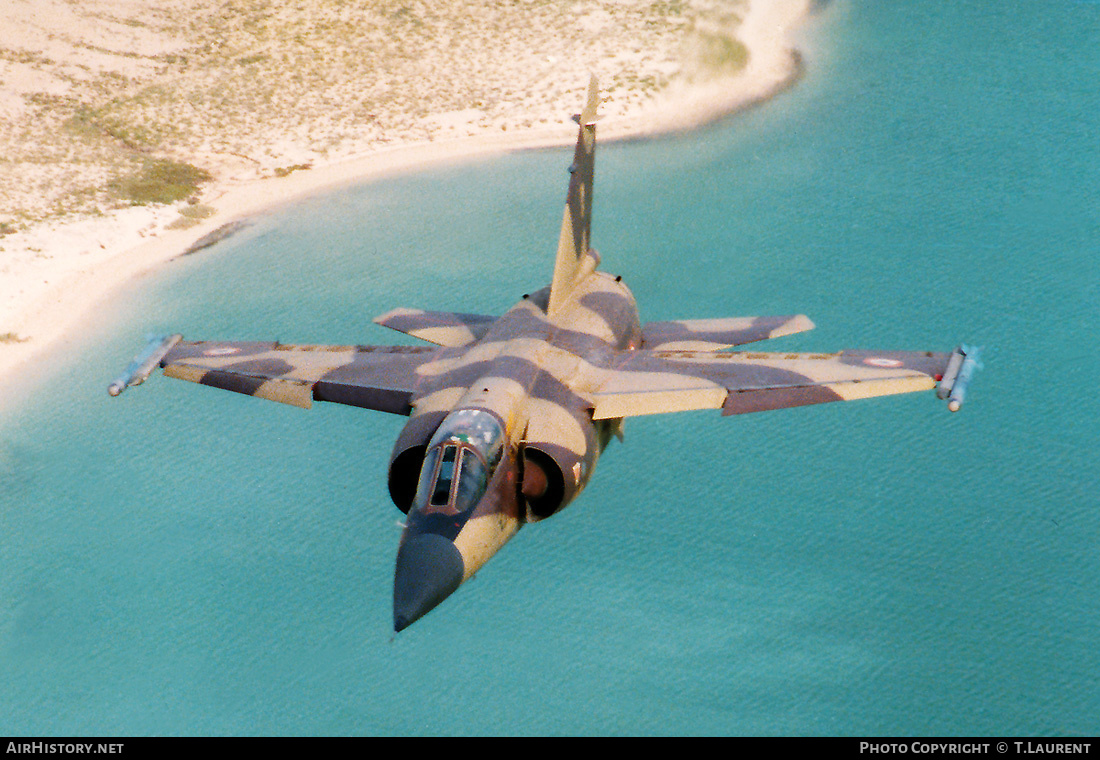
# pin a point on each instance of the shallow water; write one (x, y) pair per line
(183, 561)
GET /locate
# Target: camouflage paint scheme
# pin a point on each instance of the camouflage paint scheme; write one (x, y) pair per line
(556, 375)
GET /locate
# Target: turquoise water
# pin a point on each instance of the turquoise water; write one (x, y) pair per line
(185, 561)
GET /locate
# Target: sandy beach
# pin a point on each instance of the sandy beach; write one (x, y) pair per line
(659, 71)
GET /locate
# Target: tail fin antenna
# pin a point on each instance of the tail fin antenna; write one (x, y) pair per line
(575, 226)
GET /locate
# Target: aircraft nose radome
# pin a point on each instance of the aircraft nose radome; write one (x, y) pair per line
(429, 569)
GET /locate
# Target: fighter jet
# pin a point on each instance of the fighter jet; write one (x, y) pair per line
(508, 415)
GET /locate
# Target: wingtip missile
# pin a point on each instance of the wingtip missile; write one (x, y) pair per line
(144, 363)
(962, 365)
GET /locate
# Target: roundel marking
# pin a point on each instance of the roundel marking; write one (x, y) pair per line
(880, 362)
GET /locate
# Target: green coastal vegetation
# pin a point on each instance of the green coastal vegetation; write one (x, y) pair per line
(721, 53)
(159, 180)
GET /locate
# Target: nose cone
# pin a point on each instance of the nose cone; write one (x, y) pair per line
(429, 569)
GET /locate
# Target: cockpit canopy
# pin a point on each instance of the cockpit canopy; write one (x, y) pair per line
(461, 458)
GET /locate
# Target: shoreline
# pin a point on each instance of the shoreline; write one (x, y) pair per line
(56, 289)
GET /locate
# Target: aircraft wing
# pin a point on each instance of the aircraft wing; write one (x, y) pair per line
(373, 377)
(716, 334)
(444, 328)
(653, 382)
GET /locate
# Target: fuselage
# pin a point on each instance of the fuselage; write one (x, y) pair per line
(517, 441)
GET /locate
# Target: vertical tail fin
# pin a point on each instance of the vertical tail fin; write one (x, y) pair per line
(573, 242)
